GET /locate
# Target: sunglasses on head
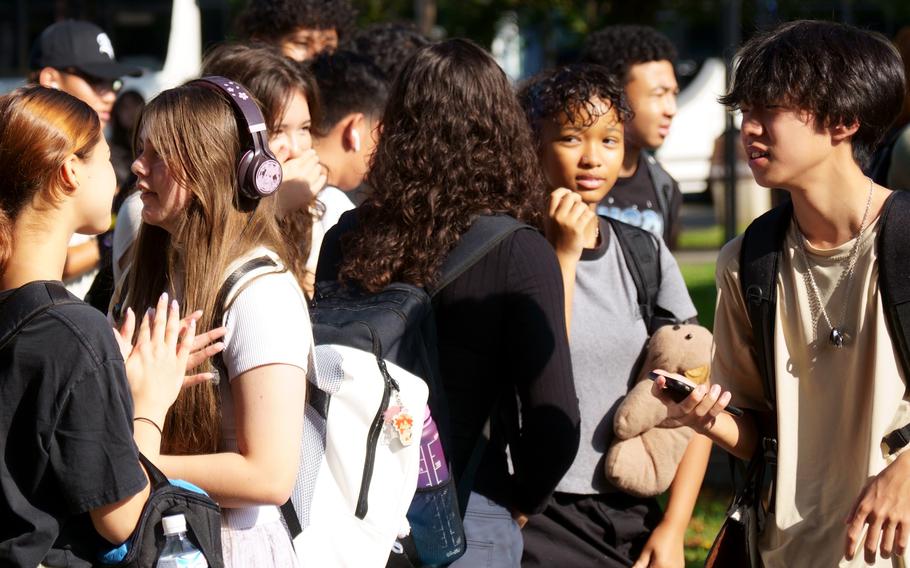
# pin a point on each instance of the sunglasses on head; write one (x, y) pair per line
(98, 84)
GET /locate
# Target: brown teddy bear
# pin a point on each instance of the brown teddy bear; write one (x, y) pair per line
(643, 458)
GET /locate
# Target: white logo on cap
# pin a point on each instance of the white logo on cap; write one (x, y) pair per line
(104, 45)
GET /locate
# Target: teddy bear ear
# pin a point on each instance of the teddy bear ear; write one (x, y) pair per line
(697, 375)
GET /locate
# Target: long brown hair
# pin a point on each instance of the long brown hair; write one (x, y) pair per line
(272, 79)
(195, 131)
(39, 129)
(454, 144)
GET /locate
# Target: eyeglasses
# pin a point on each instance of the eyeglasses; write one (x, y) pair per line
(97, 84)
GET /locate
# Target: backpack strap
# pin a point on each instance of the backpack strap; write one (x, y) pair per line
(758, 268)
(485, 233)
(663, 185)
(641, 254)
(27, 303)
(894, 283)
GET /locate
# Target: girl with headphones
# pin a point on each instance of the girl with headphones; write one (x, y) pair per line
(205, 174)
(287, 94)
(69, 427)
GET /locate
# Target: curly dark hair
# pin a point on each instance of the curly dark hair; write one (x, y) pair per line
(388, 44)
(840, 74)
(618, 48)
(454, 145)
(570, 91)
(263, 19)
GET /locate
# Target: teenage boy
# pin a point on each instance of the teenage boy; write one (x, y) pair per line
(577, 115)
(816, 98)
(77, 57)
(645, 195)
(353, 92)
(301, 29)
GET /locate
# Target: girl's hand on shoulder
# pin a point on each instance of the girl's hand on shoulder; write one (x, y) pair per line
(664, 549)
(157, 361)
(569, 222)
(699, 410)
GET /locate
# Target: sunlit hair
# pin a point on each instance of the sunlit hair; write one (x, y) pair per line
(839, 74)
(195, 131)
(272, 79)
(454, 145)
(571, 93)
(39, 129)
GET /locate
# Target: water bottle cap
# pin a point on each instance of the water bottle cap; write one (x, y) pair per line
(174, 524)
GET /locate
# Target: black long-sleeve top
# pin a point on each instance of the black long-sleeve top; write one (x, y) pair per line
(501, 332)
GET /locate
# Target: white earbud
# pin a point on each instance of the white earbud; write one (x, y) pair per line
(55, 85)
(355, 135)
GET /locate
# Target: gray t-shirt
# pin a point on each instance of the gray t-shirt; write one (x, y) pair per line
(606, 341)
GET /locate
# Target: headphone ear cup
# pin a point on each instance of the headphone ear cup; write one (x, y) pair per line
(245, 173)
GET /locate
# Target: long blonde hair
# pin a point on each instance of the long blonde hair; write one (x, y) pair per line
(195, 132)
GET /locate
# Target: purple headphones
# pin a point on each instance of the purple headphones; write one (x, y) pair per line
(258, 171)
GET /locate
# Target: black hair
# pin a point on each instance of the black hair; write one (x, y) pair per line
(388, 44)
(618, 48)
(571, 91)
(838, 73)
(264, 19)
(348, 82)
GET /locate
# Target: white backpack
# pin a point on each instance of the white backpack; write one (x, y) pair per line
(357, 477)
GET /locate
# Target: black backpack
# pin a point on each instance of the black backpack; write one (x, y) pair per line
(203, 517)
(759, 261)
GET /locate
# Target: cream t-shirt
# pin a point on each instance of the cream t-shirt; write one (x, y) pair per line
(834, 405)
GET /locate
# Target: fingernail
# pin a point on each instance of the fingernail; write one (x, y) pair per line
(192, 325)
(715, 390)
(163, 297)
(129, 311)
(175, 305)
(219, 346)
(150, 313)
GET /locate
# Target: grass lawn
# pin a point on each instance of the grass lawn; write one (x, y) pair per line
(700, 281)
(708, 516)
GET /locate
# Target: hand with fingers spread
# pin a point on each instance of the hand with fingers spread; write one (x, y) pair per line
(699, 410)
(156, 364)
(884, 506)
(571, 223)
(304, 177)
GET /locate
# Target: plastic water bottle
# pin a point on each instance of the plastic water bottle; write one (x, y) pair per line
(433, 467)
(178, 551)
(434, 517)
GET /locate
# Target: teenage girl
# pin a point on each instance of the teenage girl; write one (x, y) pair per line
(70, 479)
(238, 439)
(454, 146)
(287, 94)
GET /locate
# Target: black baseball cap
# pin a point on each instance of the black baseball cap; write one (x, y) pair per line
(79, 45)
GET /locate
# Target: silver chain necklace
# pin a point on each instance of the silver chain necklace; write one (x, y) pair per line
(838, 335)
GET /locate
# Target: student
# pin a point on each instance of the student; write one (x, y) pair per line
(353, 91)
(238, 439)
(577, 114)
(454, 146)
(645, 195)
(388, 44)
(301, 29)
(289, 98)
(77, 57)
(70, 481)
(816, 97)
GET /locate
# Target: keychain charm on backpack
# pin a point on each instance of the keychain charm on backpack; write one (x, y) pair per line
(399, 423)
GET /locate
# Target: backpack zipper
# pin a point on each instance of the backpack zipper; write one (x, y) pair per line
(373, 438)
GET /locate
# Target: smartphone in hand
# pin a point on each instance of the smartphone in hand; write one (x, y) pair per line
(678, 390)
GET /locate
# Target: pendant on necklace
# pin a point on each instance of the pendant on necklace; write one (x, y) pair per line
(837, 338)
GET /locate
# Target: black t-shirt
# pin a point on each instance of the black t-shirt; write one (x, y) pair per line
(633, 200)
(66, 444)
(501, 331)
